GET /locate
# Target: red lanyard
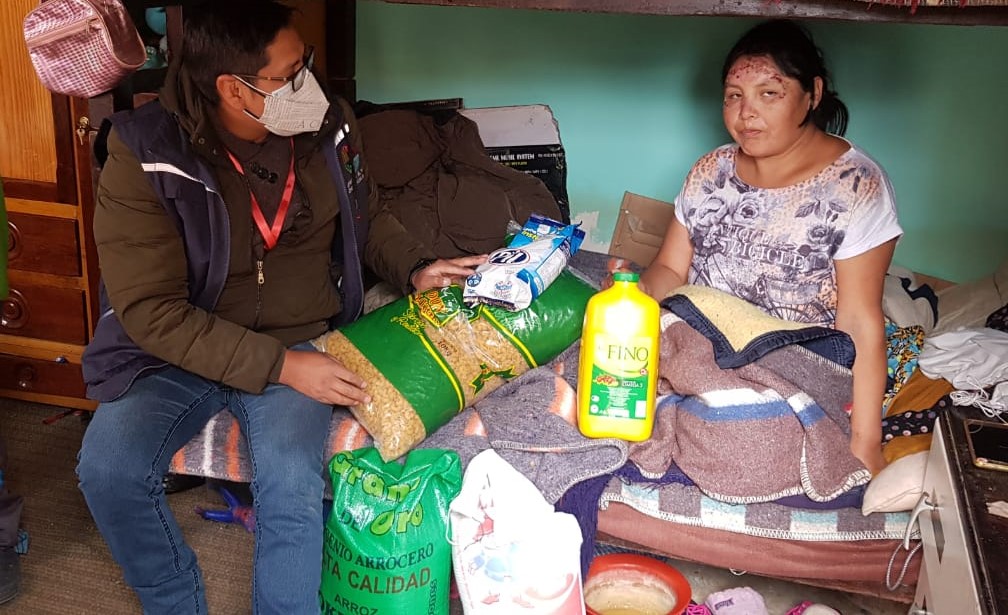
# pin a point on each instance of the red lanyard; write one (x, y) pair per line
(271, 235)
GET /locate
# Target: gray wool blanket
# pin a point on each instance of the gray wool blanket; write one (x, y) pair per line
(531, 423)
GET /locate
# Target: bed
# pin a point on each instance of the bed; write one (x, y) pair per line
(919, 308)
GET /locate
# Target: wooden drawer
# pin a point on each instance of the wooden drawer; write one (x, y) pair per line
(40, 376)
(45, 312)
(950, 586)
(43, 244)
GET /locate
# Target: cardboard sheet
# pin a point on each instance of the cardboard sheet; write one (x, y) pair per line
(640, 228)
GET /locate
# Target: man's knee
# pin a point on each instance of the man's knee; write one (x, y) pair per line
(101, 471)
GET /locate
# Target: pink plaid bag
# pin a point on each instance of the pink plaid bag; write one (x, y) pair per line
(82, 47)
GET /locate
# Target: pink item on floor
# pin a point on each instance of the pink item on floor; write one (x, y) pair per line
(799, 608)
(736, 601)
(697, 609)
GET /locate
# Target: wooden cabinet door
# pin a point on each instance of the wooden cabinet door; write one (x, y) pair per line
(37, 152)
(52, 268)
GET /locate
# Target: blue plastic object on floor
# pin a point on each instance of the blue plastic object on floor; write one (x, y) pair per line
(236, 512)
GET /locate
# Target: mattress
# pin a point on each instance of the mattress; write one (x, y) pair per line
(853, 566)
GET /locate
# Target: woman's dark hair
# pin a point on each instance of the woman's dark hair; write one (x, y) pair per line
(229, 36)
(791, 47)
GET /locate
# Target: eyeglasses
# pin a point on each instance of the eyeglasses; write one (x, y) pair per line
(297, 79)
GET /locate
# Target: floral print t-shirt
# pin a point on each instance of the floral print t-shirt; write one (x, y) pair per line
(775, 247)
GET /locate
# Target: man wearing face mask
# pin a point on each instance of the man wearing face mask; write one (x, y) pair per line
(230, 222)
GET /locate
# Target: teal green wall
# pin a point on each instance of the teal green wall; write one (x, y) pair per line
(637, 99)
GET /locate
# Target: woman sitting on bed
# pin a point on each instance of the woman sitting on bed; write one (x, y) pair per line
(791, 216)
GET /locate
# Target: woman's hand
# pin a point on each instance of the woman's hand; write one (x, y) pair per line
(670, 268)
(323, 378)
(617, 264)
(869, 452)
(445, 272)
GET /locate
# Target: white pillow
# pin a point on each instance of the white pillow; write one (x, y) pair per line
(969, 304)
(900, 307)
(898, 486)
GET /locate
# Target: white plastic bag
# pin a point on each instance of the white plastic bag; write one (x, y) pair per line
(511, 552)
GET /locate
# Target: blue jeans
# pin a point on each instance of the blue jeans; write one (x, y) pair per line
(127, 449)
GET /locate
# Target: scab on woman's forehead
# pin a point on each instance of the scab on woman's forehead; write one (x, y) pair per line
(748, 68)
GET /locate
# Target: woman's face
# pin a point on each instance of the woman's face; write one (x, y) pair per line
(764, 108)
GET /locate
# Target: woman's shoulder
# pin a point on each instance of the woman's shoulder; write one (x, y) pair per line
(722, 152)
(869, 177)
(719, 159)
(857, 157)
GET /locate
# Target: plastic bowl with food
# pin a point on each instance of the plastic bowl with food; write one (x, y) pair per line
(631, 584)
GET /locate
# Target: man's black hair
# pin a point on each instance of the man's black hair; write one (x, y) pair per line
(229, 36)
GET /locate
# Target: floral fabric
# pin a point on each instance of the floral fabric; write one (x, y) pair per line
(775, 247)
(903, 346)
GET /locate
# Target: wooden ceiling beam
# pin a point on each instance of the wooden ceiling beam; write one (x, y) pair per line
(844, 10)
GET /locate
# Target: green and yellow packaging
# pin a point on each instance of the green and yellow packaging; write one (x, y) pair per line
(386, 550)
(619, 362)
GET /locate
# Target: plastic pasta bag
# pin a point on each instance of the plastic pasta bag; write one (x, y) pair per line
(427, 356)
(514, 276)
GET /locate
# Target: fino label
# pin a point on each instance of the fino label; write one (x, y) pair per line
(619, 377)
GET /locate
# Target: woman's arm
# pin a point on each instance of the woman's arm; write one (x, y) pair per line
(859, 314)
(670, 268)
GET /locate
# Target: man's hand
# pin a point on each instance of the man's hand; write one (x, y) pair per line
(322, 378)
(445, 272)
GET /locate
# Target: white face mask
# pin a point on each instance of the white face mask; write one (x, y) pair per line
(289, 112)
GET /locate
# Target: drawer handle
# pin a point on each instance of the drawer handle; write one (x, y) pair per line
(14, 242)
(25, 377)
(14, 311)
(923, 503)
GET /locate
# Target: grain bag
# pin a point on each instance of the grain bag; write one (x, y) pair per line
(386, 551)
(427, 356)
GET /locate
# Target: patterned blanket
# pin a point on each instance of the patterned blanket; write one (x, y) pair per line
(687, 505)
(757, 415)
(773, 424)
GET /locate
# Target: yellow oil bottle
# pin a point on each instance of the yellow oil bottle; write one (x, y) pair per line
(618, 370)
